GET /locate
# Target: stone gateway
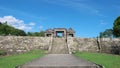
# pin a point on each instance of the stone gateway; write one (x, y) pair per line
(54, 32)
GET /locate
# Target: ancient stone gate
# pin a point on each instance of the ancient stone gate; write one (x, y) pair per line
(65, 33)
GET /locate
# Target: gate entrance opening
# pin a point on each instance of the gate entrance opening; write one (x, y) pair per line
(60, 34)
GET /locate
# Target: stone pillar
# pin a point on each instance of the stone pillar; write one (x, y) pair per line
(65, 34)
(45, 34)
(54, 34)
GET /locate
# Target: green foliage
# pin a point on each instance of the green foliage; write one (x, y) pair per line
(116, 27)
(107, 60)
(2, 52)
(115, 49)
(15, 60)
(115, 32)
(9, 30)
(108, 33)
(41, 33)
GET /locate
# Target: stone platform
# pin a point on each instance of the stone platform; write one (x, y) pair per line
(59, 61)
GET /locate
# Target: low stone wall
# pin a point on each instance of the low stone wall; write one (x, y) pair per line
(18, 44)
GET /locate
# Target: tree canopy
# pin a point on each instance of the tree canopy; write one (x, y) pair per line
(116, 27)
(41, 33)
(108, 33)
(114, 32)
(6, 29)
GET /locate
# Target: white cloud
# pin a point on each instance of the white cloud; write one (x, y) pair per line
(16, 23)
(31, 23)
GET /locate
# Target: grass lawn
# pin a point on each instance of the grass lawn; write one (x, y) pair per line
(107, 60)
(18, 59)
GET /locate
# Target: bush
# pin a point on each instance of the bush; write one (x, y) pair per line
(2, 52)
(115, 50)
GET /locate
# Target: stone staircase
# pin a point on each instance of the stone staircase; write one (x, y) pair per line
(59, 46)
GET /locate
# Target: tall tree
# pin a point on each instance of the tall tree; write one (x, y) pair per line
(116, 27)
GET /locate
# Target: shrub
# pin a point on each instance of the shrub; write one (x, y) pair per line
(2, 52)
(115, 49)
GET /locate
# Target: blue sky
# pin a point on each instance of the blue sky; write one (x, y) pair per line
(87, 17)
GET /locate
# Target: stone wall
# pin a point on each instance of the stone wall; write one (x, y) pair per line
(17, 44)
(82, 45)
(106, 44)
(92, 44)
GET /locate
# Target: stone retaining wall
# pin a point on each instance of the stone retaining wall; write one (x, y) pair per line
(82, 44)
(92, 44)
(18, 44)
(106, 44)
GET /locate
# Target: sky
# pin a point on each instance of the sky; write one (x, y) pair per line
(87, 17)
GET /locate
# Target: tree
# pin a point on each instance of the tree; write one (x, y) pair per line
(6, 29)
(29, 34)
(18, 32)
(108, 33)
(0, 23)
(41, 33)
(116, 27)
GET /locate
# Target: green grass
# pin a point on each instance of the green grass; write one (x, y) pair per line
(107, 60)
(18, 59)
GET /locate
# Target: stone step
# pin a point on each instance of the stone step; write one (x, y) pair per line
(59, 61)
(59, 49)
(59, 46)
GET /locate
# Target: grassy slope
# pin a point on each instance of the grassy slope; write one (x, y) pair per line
(12, 61)
(107, 60)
